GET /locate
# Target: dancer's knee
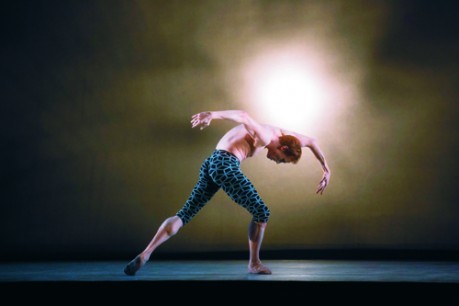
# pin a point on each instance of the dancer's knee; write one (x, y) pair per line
(172, 225)
(262, 215)
(261, 225)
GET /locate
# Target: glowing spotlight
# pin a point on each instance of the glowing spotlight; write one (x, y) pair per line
(291, 87)
(288, 91)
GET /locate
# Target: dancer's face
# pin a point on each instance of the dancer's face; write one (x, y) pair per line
(277, 155)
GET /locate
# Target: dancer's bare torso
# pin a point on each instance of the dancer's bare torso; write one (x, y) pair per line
(239, 141)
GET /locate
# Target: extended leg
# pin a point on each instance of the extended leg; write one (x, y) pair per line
(256, 232)
(201, 194)
(167, 229)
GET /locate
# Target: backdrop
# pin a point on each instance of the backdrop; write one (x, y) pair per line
(97, 147)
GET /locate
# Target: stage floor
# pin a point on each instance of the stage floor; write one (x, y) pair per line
(183, 279)
(226, 270)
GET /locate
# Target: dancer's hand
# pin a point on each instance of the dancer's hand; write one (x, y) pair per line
(323, 183)
(201, 119)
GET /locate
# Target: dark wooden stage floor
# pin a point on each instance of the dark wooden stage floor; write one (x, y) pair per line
(358, 281)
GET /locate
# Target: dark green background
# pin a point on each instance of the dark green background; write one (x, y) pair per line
(97, 149)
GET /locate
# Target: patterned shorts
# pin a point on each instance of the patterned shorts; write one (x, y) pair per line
(222, 170)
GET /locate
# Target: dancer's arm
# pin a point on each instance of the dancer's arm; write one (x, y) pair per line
(312, 144)
(255, 129)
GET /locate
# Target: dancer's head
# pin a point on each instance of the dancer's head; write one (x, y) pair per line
(285, 149)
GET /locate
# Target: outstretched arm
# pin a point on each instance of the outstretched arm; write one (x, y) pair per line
(320, 157)
(255, 129)
(312, 144)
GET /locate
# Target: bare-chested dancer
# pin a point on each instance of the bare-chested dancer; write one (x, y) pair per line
(222, 170)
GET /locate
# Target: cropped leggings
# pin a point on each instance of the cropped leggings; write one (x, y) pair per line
(222, 170)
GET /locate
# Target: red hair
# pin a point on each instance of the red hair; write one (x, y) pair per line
(291, 146)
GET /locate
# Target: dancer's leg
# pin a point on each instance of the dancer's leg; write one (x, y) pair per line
(203, 191)
(256, 232)
(228, 175)
(168, 228)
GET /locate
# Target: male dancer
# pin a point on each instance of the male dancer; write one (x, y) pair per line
(222, 170)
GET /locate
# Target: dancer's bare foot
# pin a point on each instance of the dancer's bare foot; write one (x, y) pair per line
(135, 264)
(259, 268)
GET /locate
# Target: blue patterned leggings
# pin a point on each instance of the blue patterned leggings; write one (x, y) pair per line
(222, 170)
